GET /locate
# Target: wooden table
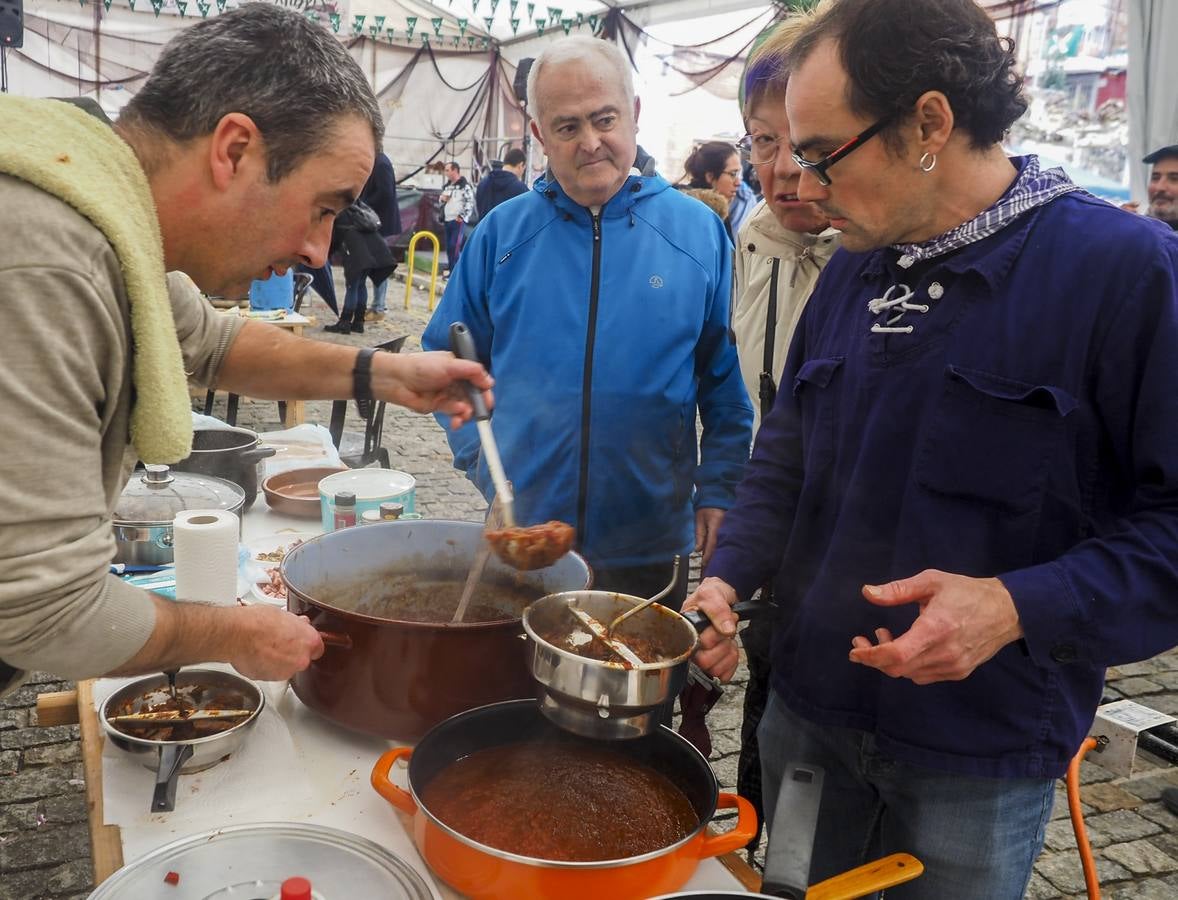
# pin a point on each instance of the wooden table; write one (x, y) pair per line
(106, 841)
(78, 707)
(294, 411)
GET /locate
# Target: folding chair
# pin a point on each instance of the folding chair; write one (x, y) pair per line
(372, 412)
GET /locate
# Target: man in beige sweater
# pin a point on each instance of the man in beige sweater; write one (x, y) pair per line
(254, 130)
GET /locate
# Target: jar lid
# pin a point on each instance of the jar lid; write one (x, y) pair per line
(155, 495)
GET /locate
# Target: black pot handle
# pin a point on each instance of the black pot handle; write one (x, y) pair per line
(257, 453)
(172, 760)
(747, 612)
(791, 838)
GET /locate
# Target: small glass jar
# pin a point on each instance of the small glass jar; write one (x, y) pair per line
(370, 517)
(345, 509)
(391, 511)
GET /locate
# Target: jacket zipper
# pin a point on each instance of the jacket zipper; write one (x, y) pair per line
(587, 381)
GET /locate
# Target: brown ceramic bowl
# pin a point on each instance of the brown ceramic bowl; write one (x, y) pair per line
(296, 492)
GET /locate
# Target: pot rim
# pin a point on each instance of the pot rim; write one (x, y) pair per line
(365, 619)
(233, 429)
(193, 742)
(573, 865)
(608, 664)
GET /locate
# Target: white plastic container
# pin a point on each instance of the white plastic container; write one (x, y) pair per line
(372, 487)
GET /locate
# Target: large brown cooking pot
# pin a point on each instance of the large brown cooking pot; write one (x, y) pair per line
(394, 678)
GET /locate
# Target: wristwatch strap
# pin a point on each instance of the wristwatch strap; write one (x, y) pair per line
(362, 375)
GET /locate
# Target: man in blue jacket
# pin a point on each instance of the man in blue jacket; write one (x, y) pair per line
(599, 300)
(968, 486)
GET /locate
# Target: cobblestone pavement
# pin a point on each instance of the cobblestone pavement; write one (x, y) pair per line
(44, 850)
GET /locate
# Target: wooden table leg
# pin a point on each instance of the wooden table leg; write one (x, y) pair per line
(77, 707)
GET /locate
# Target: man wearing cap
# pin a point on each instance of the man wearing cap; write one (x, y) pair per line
(1163, 185)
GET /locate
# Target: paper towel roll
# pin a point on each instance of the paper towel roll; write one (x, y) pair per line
(204, 542)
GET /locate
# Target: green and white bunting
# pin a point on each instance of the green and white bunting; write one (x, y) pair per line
(488, 21)
(437, 23)
(220, 6)
(531, 10)
(567, 25)
(379, 20)
(513, 4)
(335, 20)
(540, 26)
(514, 26)
(410, 24)
(554, 13)
(593, 23)
(182, 5)
(470, 41)
(389, 34)
(156, 6)
(106, 5)
(358, 24)
(462, 23)
(374, 31)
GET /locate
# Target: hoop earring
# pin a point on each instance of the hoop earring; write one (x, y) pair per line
(931, 163)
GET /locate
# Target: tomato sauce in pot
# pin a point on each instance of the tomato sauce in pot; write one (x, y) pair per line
(560, 801)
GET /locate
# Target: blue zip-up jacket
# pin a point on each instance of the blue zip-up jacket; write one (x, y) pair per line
(604, 334)
(1026, 429)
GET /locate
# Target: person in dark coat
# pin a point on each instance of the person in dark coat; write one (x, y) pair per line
(504, 182)
(380, 192)
(356, 236)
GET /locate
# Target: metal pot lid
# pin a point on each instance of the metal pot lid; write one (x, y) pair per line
(156, 495)
(245, 862)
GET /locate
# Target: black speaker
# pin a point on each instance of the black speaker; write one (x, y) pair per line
(521, 77)
(12, 23)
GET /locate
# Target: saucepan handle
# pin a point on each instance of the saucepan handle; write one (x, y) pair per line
(747, 612)
(399, 797)
(791, 843)
(257, 454)
(739, 836)
(868, 878)
(172, 760)
(336, 639)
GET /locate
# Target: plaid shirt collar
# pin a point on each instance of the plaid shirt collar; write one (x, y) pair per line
(1031, 188)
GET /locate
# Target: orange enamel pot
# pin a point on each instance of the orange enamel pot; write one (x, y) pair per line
(485, 873)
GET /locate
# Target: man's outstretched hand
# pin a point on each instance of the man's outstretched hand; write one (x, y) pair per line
(962, 623)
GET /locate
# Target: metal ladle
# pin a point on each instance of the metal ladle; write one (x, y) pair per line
(645, 603)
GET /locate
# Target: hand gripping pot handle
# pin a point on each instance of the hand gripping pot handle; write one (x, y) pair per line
(399, 797)
(738, 836)
(747, 612)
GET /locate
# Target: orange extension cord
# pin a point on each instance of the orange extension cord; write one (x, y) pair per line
(1086, 859)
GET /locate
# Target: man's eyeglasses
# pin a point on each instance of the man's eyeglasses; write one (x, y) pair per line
(819, 167)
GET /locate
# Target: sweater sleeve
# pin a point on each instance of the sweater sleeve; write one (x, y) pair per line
(66, 346)
(724, 408)
(205, 334)
(1114, 598)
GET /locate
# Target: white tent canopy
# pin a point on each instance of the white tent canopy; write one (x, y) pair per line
(443, 73)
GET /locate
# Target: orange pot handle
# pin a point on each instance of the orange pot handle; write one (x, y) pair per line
(399, 797)
(746, 827)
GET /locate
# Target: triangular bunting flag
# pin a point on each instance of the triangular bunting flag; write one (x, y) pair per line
(106, 4)
(81, 2)
(514, 25)
(156, 6)
(379, 20)
(182, 5)
(494, 6)
(388, 33)
(580, 18)
(539, 26)
(593, 22)
(513, 4)
(488, 21)
(486, 42)
(437, 23)
(410, 24)
(334, 17)
(372, 30)
(456, 39)
(358, 23)
(554, 13)
(310, 15)
(567, 24)
(531, 10)
(131, 3)
(470, 41)
(220, 6)
(462, 23)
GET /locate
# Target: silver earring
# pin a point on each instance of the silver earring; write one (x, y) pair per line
(928, 162)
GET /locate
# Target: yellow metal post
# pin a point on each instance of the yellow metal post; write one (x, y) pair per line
(433, 278)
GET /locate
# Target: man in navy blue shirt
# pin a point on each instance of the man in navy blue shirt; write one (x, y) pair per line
(502, 182)
(967, 491)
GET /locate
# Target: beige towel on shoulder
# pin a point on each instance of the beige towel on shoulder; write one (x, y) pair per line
(76, 157)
